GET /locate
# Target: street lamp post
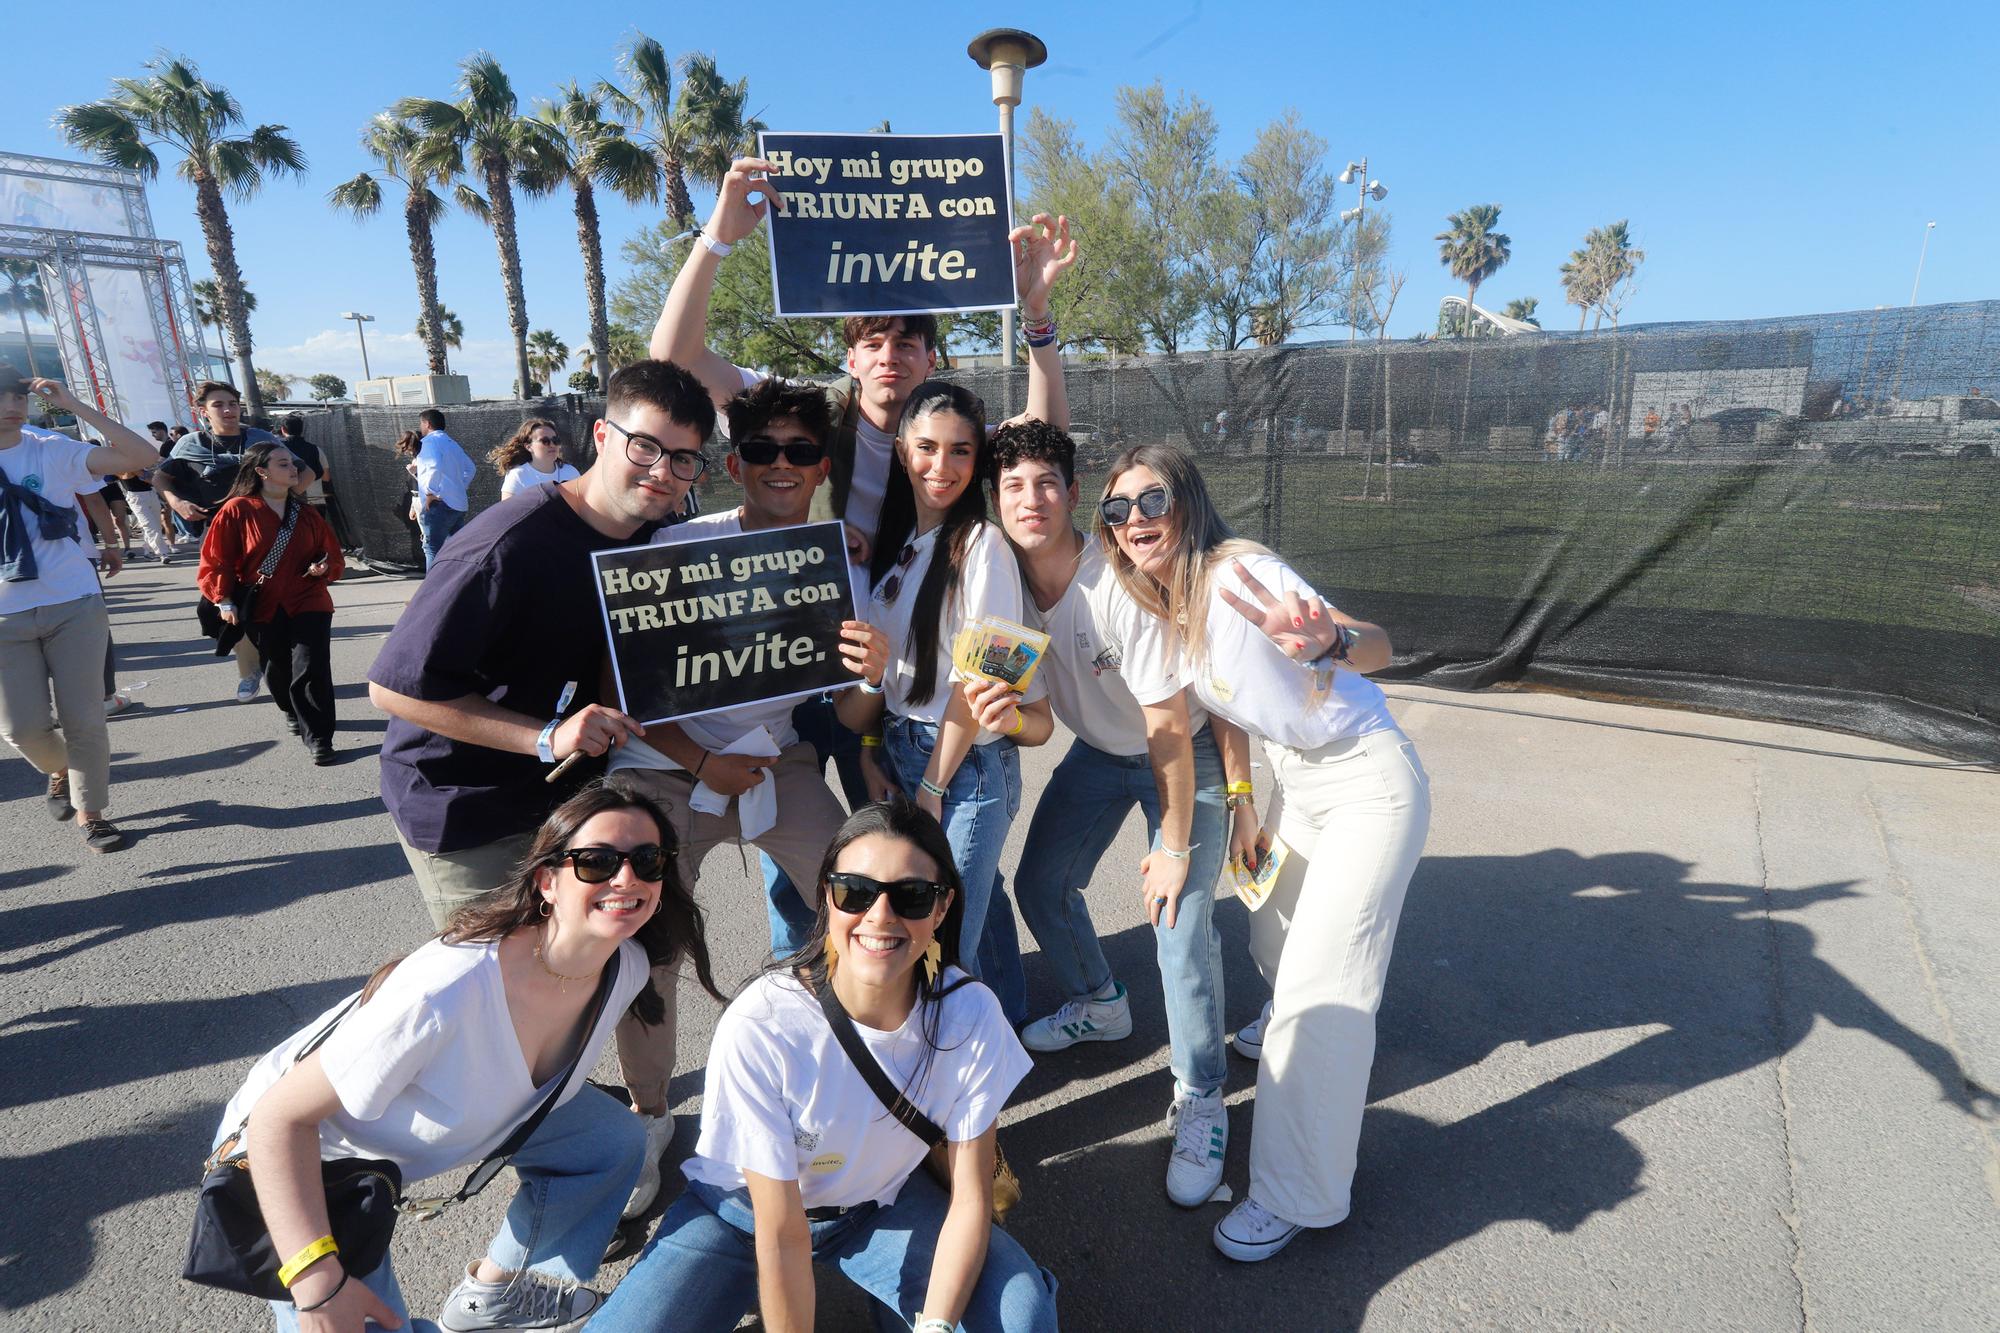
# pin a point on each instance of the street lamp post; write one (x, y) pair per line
(1357, 175)
(1007, 54)
(1929, 227)
(359, 320)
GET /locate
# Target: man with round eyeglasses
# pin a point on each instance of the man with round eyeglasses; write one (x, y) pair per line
(492, 675)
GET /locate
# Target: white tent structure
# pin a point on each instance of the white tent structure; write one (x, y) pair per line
(1506, 325)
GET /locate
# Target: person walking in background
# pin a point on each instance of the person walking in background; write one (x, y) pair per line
(531, 456)
(1347, 820)
(54, 632)
(266, 562)
(147, 515)
(196, 478)
(443, 473)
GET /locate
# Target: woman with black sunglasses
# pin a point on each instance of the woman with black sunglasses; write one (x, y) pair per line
(1342, 834)
(939, 565)
(452, 1047)
(800, 1163)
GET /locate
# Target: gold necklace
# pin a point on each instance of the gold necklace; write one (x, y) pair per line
(561, 980)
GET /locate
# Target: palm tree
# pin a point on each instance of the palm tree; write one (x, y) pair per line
(626, 345)
(485, 132)
(174, 107)
(1523, 309)
(1473, 251)
(585, 151)
(694, 134)
(547, 354)
(451, 332)
(208, 310)
(23, 294)
(1617, 260)
(394, 143)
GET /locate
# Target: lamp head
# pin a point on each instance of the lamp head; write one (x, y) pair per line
(1008, 53)
(1377, 191)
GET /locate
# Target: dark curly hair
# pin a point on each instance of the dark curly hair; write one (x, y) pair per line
(1032, 440)
(767, 400)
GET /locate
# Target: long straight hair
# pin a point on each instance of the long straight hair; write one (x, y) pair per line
(1198, 538)
(961, 523)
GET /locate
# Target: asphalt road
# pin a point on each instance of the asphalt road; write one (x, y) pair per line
(1688, 1027)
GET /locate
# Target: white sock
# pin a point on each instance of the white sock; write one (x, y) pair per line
(1107, 993)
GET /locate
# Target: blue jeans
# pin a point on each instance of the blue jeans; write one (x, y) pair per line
(576, 1174)
(1076, 820)
(791, 920)
(980, 803)
(436, 523)
(699, 1275)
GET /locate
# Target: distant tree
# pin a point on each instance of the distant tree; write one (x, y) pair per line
(1473, 251)
(22, 296)
(1292, 208)
(627, 345)
(1161, 153)
(1064, 179)
(740, 323)
(583, 381)
(326, 388)
(274, 386)
(451, 332)
(694, 131)
(1600, 277)
(547, 354)
(1523, 309)
(394, 143)
(534, 389)
(485, 132)
(172, 106)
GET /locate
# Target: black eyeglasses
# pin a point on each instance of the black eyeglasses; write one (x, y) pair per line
(762, 451)
(596, 865)
(911, 899)
(645, 451)
(1153, 502)
(894, 583)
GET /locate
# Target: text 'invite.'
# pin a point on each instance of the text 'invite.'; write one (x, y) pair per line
(889, 224)
(709, 624)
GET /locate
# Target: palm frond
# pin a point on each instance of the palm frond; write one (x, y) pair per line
(488, 91)
(651, 75)
(275, 151)
(430, 116)
(361, 196)
(426, 205)
(235, 168)
(472, 202)
(109, 132)
(628, 168)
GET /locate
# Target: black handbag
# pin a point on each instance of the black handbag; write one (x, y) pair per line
(230, 1247)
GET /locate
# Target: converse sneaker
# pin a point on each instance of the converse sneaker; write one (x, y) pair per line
(659, 1133)
(246, 689)
(526, 1300)
(1088, 1019)
(59, 803)
(1252, 1232)
(1249, 1039)
(1201, 1136)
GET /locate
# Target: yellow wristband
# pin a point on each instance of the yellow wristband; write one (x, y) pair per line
(1020, 721)
(1239, 789)
(871, 742)
(306, 1258)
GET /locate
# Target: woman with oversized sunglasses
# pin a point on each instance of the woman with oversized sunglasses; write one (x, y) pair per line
(800, 1163)
(531, 456)
(939, 565)
(1346, 823)
(448, 1050)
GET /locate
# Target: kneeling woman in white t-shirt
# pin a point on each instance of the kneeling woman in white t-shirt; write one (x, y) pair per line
(1352, 807)
(532, 456)
(456, 1045)
(800, 1163)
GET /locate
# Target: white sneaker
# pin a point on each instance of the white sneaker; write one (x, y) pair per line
(1201, 1136)
(526, 1300)
(1081, 1020)
(246, 689)
(1252, 1232)
(659, 1133)
(1249, 1039)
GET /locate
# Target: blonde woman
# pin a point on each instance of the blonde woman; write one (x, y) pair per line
(1349, 815)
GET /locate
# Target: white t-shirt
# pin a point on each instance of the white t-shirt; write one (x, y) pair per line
(1088, 631)
(56, 468)
(989, 584)
(521, 478)
(783, 1099)
(714, 732)
(429, 1072)
(1248, 681)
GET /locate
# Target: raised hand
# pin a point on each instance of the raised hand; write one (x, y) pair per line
(1042, 250)
(735, 216)
(1301, 627)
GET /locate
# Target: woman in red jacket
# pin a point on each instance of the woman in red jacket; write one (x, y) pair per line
(289, 617)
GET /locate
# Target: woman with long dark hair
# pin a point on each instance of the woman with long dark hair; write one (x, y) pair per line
(290, 616)
(530, 456)
(1348, 818)
(799, 1162)
(453, 1047)
(938, 565)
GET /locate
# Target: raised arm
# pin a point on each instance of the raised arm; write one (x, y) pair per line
(123, 450)
(681, 336)
(1042, 250)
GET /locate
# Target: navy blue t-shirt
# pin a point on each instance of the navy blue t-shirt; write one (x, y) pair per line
(509, 611)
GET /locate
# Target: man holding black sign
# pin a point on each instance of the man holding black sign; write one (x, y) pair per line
(768, 785)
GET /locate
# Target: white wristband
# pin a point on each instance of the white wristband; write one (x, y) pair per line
(544, 743)
(721, 248)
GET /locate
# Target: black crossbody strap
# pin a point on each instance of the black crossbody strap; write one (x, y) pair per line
(872, 1073)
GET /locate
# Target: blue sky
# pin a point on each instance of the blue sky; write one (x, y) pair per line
(1772, 158)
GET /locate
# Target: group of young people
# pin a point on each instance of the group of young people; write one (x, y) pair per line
(854, 1086)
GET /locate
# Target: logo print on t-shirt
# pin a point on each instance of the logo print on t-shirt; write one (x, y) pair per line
(825, 1162)
(33, 481)
(1107, 660)
(805, 1139)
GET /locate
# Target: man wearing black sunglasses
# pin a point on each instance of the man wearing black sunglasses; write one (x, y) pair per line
(775, 797)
